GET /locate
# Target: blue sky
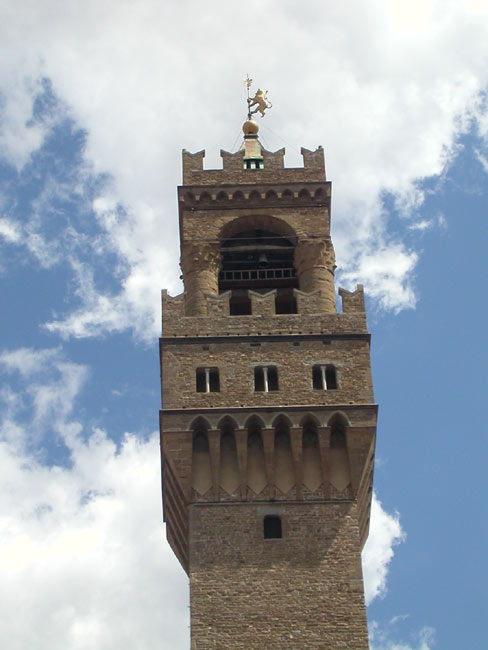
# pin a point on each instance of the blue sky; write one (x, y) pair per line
(96, 102)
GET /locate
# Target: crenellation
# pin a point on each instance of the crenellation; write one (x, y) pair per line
(233, 168)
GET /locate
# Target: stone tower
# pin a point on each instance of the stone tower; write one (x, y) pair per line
(268, 418)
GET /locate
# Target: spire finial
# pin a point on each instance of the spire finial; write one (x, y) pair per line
(248, 83)
(260, 100)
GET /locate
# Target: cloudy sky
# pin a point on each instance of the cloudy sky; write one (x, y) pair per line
(97, 99)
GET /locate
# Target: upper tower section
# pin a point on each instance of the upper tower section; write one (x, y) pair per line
(255, 225)
(255, 242)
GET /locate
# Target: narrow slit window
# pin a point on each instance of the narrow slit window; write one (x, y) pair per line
(331, 377)
(207, 380)
(258, 379)
(272, 527)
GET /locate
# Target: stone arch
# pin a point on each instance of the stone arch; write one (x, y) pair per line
(226, 422)
(271, 194)
(287, 194)
(254, 420)
(304, 194)
(281, 419)
(205, 196)
(190, 197)
(309, 417)
(254, 196)
(222, 196)
(338, 418)
(200, 423)
(238, 196)
(257, 222)
(319, 194)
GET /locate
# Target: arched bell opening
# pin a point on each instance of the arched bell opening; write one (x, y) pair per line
(258, 255)
(312, 475)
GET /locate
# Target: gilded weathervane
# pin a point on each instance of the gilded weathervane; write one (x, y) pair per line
(260, 99)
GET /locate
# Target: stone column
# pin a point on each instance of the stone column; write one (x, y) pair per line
(200, 263)
(315, 265)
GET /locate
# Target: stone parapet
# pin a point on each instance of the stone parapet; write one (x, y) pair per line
(233, 168)
(215, 319)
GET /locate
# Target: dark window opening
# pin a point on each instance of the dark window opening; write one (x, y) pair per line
(258, 379)
(272, 527)
(285, 302)
(272, 378)
(331, 377)
(265, 378)
(324, 377)
(207, 380)
(317, 378)
(201, 384)
(240, 304)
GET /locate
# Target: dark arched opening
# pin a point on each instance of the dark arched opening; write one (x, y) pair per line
(257, 259)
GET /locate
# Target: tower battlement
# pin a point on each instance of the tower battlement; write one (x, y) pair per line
(233, 168)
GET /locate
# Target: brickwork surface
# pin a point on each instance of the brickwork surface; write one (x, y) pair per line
(300, 592)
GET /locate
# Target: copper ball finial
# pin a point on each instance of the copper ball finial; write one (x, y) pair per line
(250, 127)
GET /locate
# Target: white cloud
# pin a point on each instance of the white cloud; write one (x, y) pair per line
(386, 96)
(422, 225)
(9, 230)
(387, 274)
(83, 554)
(385, 533)
(386, 637)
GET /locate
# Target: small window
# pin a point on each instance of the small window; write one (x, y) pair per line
(207, 380)
(324, 377)
(265, 378)
(272, 527)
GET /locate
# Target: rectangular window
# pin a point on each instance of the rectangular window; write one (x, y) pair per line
(272, 527)
(324, 377)
(265, 378)
(207, 380)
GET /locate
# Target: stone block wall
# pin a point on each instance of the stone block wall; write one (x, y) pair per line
(301, 592)
(237, 359)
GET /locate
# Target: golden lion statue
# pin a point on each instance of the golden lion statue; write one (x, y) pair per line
(260, 100)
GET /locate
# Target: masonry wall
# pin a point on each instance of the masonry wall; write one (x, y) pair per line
(294, 360)
(301, 592)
